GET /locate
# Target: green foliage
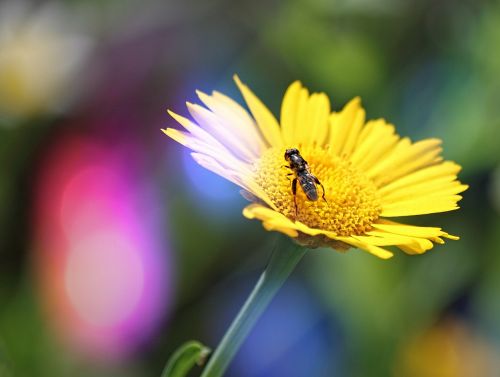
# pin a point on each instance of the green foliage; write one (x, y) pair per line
(186, 356)
(4, 364)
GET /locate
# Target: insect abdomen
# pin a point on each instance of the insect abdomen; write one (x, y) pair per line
(309, 189)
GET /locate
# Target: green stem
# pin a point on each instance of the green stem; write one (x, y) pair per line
(282, 262)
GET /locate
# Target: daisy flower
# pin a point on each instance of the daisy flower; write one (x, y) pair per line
(368, 172)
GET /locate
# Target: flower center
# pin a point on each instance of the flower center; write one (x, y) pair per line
(352, 203)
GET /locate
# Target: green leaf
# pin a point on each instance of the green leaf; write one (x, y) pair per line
(181, 362)
(4, 363)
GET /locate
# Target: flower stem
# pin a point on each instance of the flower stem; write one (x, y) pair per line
(283, 260)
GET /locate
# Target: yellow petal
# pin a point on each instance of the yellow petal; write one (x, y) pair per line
(235, 119)
(317, 121)
(195, 130)
(220, 154)
(437, 183)
(420, 206)
(380, 238)
(305, 117)
(404, 159)
(278, 228)
(301, 115)
(194, 143)
(376, 139)
(211, 164)
(388, 159)
(271, 219)
(345, 127)
(407, 230)
(209, 121)
(431, 233)
(288, 116)
(446, 170)
(266, 121)
(420, 245)
(375, 250)
(355, 129)
(410, 249)
(424, 190)
(278, 220)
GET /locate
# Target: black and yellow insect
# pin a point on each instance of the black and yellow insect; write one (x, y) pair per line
(307, 180)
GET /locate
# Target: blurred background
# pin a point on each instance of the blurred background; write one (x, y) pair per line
(115, 247)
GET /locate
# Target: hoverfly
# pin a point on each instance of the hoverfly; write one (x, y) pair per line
(307, 180)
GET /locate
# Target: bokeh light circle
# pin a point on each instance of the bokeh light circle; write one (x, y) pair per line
(101, 255)
(109, 295)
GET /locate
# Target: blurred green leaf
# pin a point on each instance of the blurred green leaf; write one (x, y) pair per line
(4, 363)
(181, 362)
(325, 55)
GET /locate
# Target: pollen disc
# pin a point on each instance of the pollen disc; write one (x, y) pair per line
(352, 201)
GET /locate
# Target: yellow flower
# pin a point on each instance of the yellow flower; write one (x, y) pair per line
(369, 173)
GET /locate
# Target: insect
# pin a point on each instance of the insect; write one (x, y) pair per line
(307, 180)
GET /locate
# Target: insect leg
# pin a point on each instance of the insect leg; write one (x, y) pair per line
(322, 187)
(294, 192)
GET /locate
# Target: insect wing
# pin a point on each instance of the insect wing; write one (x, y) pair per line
(309, 187)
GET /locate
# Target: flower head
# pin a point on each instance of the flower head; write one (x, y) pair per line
(367, 173)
